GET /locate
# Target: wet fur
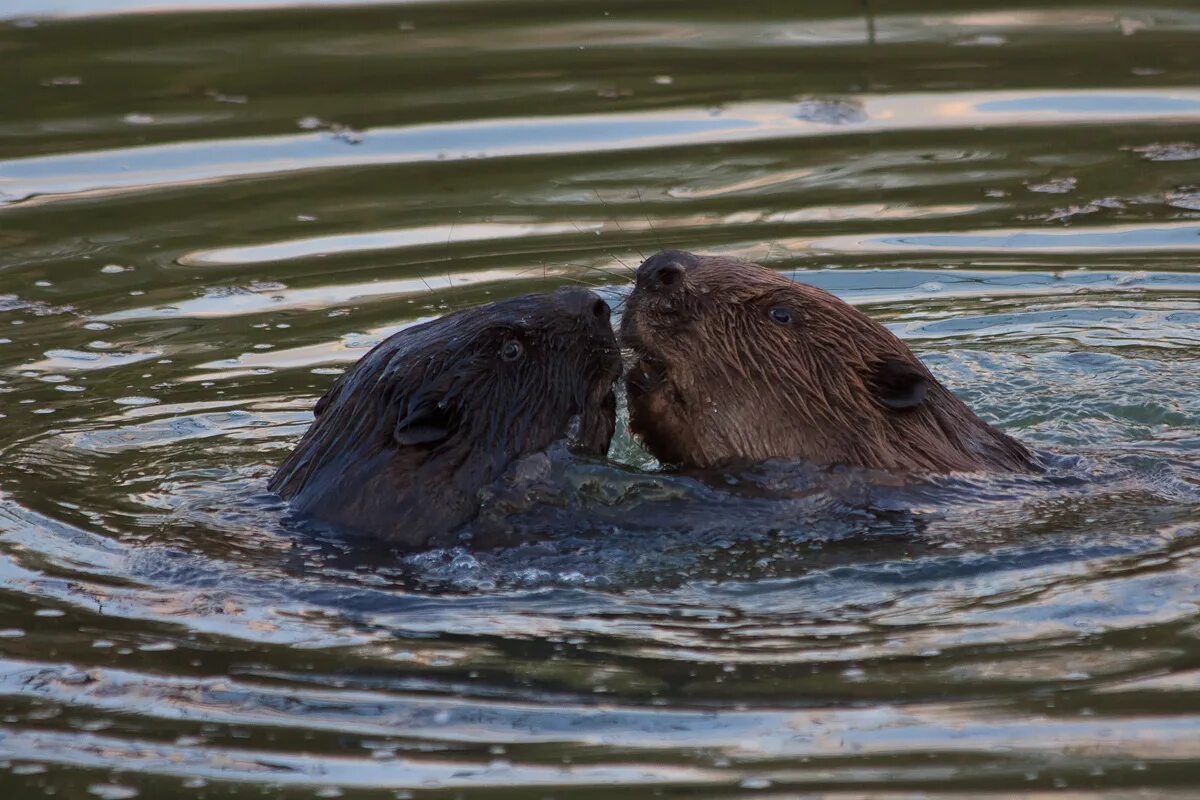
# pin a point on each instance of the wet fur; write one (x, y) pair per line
(405, 440)
(718, 382)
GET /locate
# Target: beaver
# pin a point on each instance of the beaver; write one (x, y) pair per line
(737, 364)
(405, 441)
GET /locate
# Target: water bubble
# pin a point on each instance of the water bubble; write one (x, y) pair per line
(1053, 186)
(239, 99)
(755, 783)
(983, 40)
(136, 400)
(28, 769)
(1171, 151)
(112, 791)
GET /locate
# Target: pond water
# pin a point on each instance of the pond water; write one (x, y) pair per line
(209, 209)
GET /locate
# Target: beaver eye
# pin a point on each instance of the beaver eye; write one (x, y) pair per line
(512, 350)
(781, 315)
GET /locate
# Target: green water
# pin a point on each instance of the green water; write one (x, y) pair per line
(207, 210)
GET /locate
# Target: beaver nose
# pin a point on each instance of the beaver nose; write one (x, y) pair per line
(663, 271)
(586, 304)
(664, 276)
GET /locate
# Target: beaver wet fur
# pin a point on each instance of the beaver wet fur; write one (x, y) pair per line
(406, 438)
(737, 364)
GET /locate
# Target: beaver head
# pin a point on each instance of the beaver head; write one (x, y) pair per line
(736, 363)
(406, 438)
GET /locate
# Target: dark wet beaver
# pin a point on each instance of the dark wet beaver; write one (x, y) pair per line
(738, 364)
(406, 439)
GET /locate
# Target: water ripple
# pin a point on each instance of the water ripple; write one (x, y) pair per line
(159, 166)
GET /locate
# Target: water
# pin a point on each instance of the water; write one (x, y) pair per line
(207, 210)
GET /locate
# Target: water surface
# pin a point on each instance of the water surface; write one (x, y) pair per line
(209, 209)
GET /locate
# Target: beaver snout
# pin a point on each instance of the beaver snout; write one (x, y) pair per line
(663, 273)
(586, 305)
(664, 276)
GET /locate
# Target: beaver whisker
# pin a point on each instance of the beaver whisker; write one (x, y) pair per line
(646, 216)
(616, 222)
(579, 282)
(591, 268)
(609, 253)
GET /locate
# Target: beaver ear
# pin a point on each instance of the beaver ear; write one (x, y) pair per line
(427, 422)
(323, 403)
(329, 396)
(899, 385)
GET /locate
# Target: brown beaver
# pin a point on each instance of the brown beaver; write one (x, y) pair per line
(406, 439)
(738, 364)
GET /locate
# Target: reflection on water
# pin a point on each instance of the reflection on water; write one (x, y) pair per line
(207, 210)
(206, 161)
